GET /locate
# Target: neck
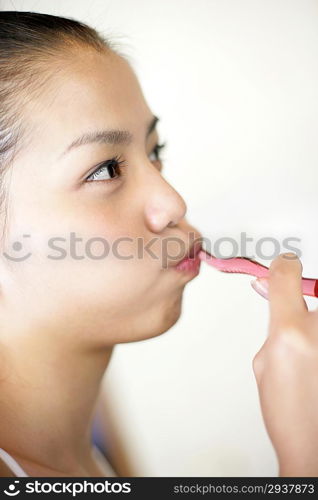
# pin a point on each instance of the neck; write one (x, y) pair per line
(49, 394)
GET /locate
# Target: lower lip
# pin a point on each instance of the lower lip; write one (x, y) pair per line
(191, 266)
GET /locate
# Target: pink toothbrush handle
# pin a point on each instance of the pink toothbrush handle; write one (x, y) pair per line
(244, 265)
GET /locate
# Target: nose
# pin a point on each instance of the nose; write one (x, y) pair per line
(164, 206)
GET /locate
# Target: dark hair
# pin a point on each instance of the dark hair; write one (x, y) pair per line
(28, 41)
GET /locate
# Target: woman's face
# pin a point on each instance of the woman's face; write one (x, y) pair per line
(85, 254)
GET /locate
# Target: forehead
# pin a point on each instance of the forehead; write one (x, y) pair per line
(94, 90)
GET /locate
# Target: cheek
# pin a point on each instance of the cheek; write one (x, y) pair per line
(95, 267)
(88, 259)
(82, 292)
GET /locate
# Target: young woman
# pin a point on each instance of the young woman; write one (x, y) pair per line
(80, 174)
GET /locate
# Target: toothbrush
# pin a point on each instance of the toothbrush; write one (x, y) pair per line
(244, 265)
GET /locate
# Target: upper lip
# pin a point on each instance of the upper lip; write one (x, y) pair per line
(192, 252)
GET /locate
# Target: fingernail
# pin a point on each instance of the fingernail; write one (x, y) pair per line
(261, 287)
(290, 256)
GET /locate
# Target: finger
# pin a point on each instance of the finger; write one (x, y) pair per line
(284, 287)
(260, 286)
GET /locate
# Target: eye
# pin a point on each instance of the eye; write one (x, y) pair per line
(108, 170)
(112, 169)
(156, 151)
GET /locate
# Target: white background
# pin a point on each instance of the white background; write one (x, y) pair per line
(235, 83)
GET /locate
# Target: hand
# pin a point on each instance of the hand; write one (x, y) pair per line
(286, 370)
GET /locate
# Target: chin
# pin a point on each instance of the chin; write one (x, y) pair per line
(157, 321)
(166, 316)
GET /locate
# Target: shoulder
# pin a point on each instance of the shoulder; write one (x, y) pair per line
(4, 470)
(103, 463)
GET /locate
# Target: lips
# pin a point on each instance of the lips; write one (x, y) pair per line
(192, 253)
(194, 250)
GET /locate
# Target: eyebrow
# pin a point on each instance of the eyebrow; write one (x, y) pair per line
(108, 136)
